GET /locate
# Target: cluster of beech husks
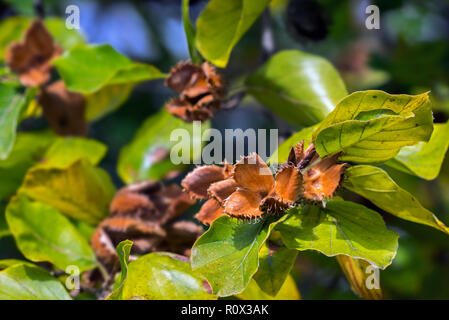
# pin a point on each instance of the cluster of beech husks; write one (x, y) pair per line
(249, 190)
(31, 60)
(145, 213)
(200, 90)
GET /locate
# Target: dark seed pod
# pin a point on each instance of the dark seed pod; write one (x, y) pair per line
(306, 20)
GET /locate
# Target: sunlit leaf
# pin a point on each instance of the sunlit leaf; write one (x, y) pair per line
(4, 229)
(288, 291)
(88, 68)
(123, 249)
(6, 263)
(425, 158)
(28, 149)
(44, 234)
(372, 126)
(80, 191)
(274, 268)
(300, 87)
(221, 25)
(148, 154)
(358, 275)
(375, 185)
(342, 227)
(228, 253)
(12, 105)
(162, 276)
(64, 151)
(24, 282)
(106, 100)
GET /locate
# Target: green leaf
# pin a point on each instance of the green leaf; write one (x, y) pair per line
(372, 126)
(24, 282)
(4, 229)
(425, 158)
(288, 291)
(106, 100)
(280, 155)
(161, 276)
(80, 191)
(342, 227)
(228, 253)
(111, 96)
(190, 32)
(64, 151)
(300, 87)
(375, 185)
(88, 68)
(221, 25)
(67, 38)
(56, 241)
(13, 28)
(274, 268)
(6, 263)
(12, 105)
(123, 249)
(139, 160)
(28, 149)
(357, 274)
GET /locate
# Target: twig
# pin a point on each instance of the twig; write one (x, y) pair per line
(39, 8)
(267, 39)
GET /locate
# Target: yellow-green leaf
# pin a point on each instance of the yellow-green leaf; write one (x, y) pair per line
(288, 291)
(12, 105)
(28, 150)
(221, 25)
(300, 87)
(80, 191)
(147, 156)
(162, 276)
(274, 268)
(376, 185)
(358, 275)
(425, 158)
(25, 282)
(64, 151)
(44, 234)
(88, 68)
(228, 253)
(123, 250)
(280, 155)
(342, 227)
(372, 126)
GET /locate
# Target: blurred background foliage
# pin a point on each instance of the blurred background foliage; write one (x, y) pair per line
(408, 54)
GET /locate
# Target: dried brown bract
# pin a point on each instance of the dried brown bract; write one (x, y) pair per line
(31, 57)
(145, 213)
(248, 192)
(321, 177)
(198, 182)
(200, 91)
(63, 110)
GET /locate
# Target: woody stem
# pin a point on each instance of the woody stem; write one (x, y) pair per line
(39, 8)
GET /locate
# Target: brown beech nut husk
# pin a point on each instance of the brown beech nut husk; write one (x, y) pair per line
(145, 213)
(63, 110)
(31, 57)
(200, 89)
(249, 190)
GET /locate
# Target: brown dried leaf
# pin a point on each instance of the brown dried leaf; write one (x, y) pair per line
(31, 58)
(63, 110)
